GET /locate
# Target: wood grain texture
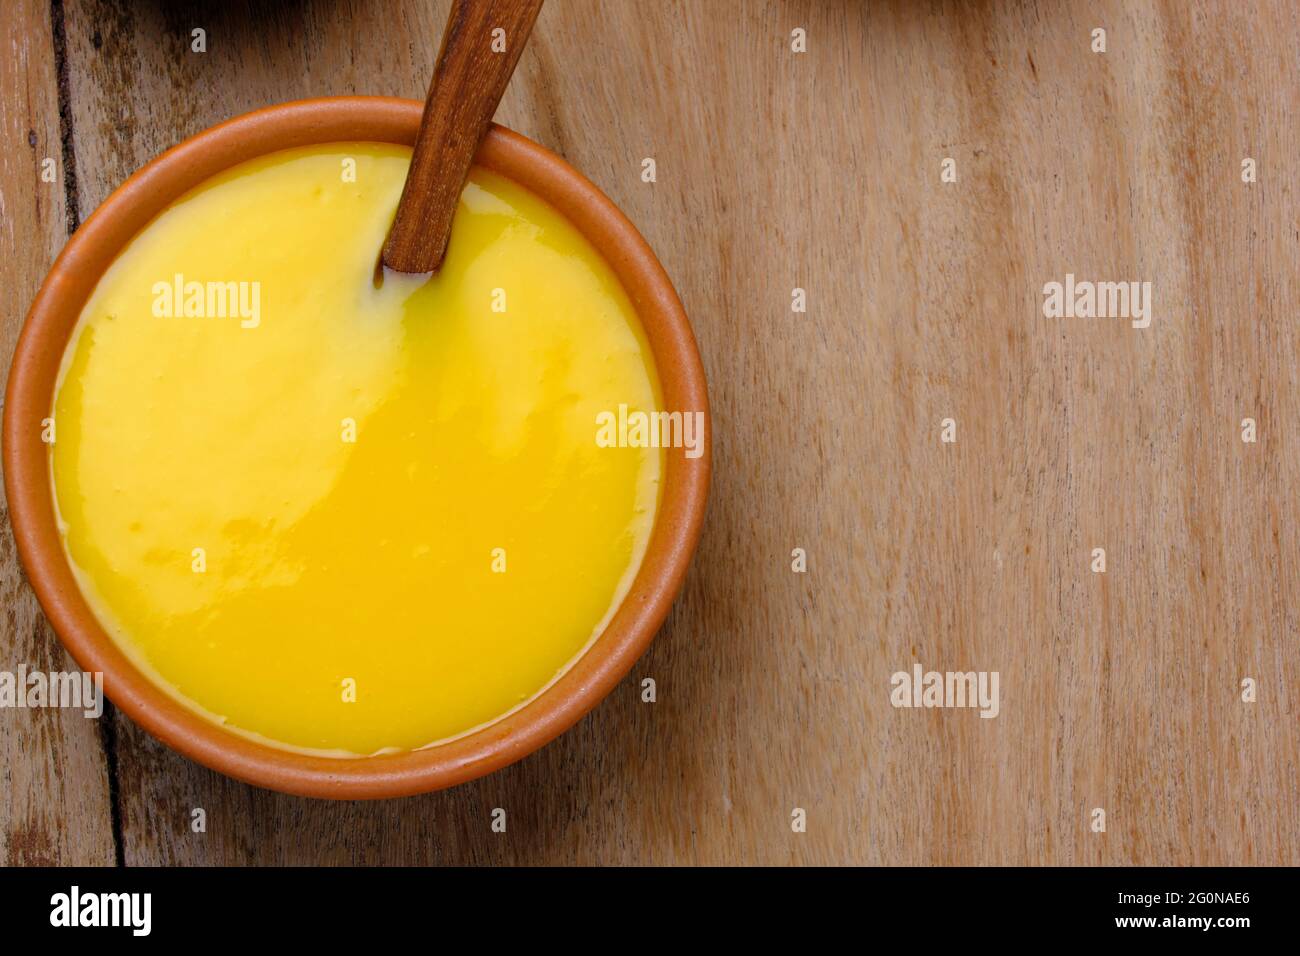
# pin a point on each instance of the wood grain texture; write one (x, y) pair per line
(821, 170)
(54, 784)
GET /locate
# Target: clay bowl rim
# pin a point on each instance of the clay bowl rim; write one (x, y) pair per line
(28, 400)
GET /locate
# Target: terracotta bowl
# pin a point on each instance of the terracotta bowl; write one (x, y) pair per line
(29, 399)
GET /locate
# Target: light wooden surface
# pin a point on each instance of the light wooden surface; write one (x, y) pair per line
(821, 170)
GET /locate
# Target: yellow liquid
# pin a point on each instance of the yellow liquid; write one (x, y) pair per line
(358, 517)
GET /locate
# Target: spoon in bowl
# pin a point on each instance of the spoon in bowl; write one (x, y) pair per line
(481, 45)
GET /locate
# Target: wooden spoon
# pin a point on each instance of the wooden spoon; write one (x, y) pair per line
(480, 48)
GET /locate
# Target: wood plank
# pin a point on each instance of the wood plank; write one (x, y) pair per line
(56, 807)
(821, 170)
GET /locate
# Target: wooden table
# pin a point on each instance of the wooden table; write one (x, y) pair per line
(822, 171)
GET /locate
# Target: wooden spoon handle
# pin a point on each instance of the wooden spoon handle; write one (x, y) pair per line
(480, 48)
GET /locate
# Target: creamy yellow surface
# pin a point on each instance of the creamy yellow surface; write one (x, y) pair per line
(346, 595)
